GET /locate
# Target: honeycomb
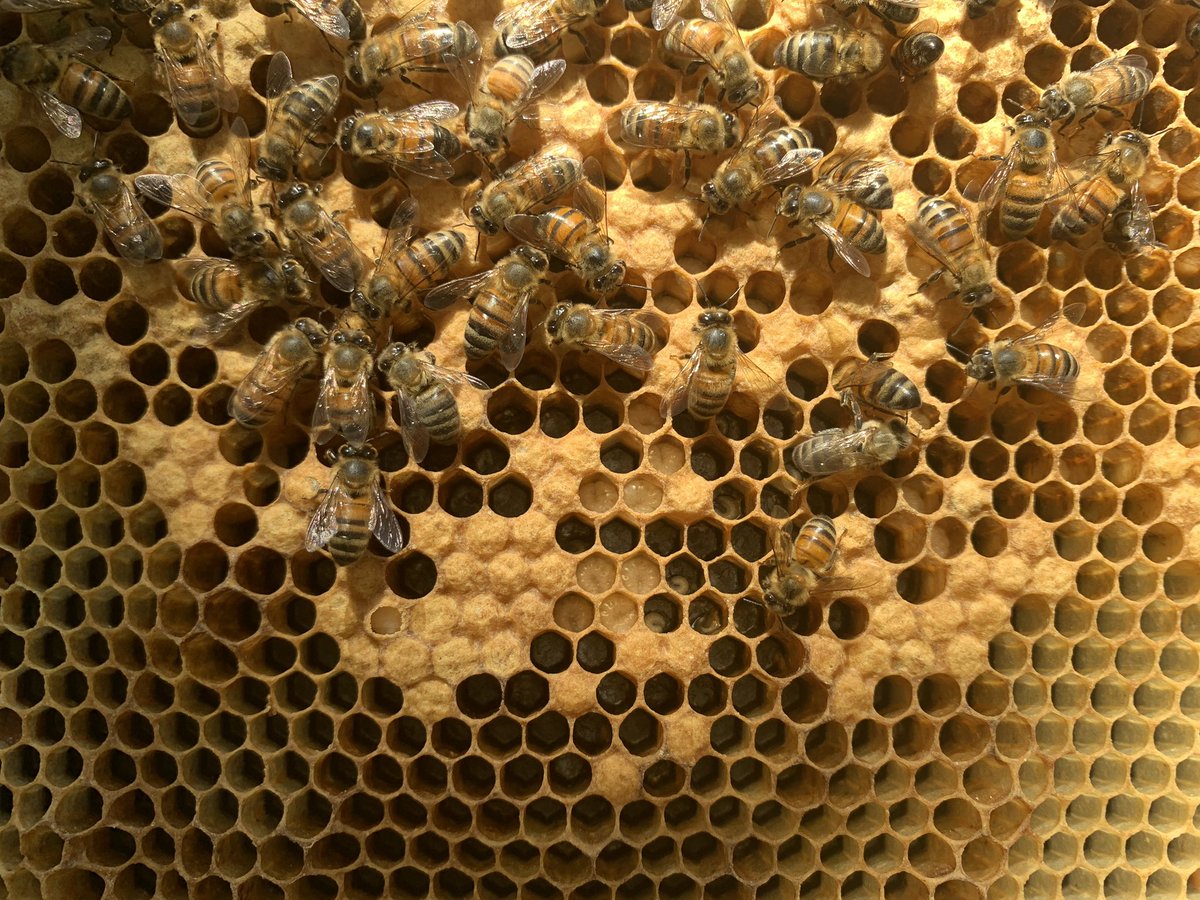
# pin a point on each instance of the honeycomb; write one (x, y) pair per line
(565, 686)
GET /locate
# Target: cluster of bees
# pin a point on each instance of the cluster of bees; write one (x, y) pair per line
(841, 197)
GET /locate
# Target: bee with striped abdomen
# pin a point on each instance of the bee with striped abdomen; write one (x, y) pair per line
(944, 232)
(877, 385)
(197, 87)
(501, 297)
(503, 97)
(867, 444)
(1029, 360)
(526, 184)
(104, 194)
(833, 206)
(420, 43)
(714, 40)
(534, 21)
(1102, 182)
(799, 564)
(219, 193)
(229, 290)
(690, 127)
(63, 84)
(707, 379)
(355, 507)
(410, 140)
(630, 337)
(291, 352)
(345, 405)
(916, 53)
(769, 154)
(1112, 82)
(1028, 177)
(832, 51)
(579, 237)
(424, 395)
(406, 267)
(320, 237)
(339, 18)
(297, 111)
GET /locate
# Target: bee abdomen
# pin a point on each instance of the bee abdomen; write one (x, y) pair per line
(489, 321)
(91, 91)
(816, 544)
(709, 393)
(439, 412)
(895, 391)
(946, 223)
(350, 540)
(811, 53)
(1049, 360)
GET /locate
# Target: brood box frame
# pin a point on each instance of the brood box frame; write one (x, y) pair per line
(559, 688)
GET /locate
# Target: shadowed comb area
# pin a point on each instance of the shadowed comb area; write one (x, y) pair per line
(566, 684)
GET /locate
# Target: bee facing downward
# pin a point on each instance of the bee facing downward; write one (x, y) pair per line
(354, 508)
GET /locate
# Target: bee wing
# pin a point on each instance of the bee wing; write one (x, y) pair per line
(524, 228)
(455, 378)
(718, 11)
(415, 434)
(226, 95)
(664, 13)
(544, 77)
(423, 159)
(631, 355)
(140, 240)
(445, 294)
(87, 41)
(326, 16)
(65, 118)
(216, 322)
(342, 271)
(511, 346)
(1115, 87)
(1141, 223)
(846, 250)
(1071, 313)
(671, 115)
(279, 75)
(929, 244)
(271, 374)
(533, 21)
(759, 383)
(675, 400)
(358, 429)
(863, 178)
(320, 420)
(846, 445)
(993, 189)
(793, 163)
(431, 109)
(860, 373)
(238, 157)
(590, 196)
(1055, 384)
(399, 230)
(323, 524)
(182, 192)
(782, 545)
(384, 523)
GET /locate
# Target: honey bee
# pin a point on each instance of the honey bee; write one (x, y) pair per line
(695, 127)
(106, 196)
(198, 89)
(523, 186)
(865, 444)
(707, 378)
(229, 290)
(1112, 82)
(1104, 182)
(630, 337)
(915, 54)
(320, 237)
(765, 157)
(339, 18)
(501, 295)
(411, 140)
(829, 207)
(832, 51)
(297, 111)
(891, 12)
(799, 564)
(1026, 180)
(292, 351)
(1130, 228)
(714, 40)
(219, 193)
(945, 233)
(877, 385)
(534, 21)
(575, 237)
(505, 92)
(344, 404)
(1029, 360)
(64, 85)
(424, 395)
(420, 43)
(354, 508)
(865, 181)
(404, 267)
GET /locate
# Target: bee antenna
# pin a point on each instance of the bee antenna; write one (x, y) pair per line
(773, 221)
(957, 352)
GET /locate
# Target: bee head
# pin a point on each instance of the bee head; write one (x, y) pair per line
(533, 258)
(94, 168)
(749, 87)
(982, 366)
(365, 307)
(313, 331)
(1053, 104)
(789, 203)
(715, 317)
(481, 221)
(345, 131)
(554, 321)
(718, 204)
(977, 296)
(388, 356)
(611, 279)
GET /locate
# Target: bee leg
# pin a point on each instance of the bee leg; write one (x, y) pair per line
(579, 37)
(799, 240)
(687, 167)
(936, 276)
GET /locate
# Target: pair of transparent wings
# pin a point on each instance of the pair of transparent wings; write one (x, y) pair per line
(382, 521)
(839, 449)
(753, 380)
(856, 183)
(511, 345)
(535, 21)
(412, 429)
(133, 233)
(181, 83)
(664, 13)
(929, 243)
(326, 15)
(1058, 187)
(399, 231)
(630, 355)
(216, 322)
(62, 115)
(348, 410)
(418, 153)
(330, 248)
(271, 375)
(544, 76)
(1055, 383)
(186, 193)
